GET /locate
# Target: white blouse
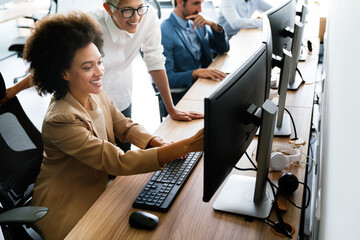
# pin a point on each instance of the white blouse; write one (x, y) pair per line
(121, 48)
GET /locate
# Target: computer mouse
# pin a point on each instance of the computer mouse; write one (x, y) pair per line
(143, 220)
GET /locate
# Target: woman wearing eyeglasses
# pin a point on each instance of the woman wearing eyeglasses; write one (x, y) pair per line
(128, 25)
(82, 122)
(131, 25)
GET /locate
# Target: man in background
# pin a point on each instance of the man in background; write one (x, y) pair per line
(190, 44)
(237, 14)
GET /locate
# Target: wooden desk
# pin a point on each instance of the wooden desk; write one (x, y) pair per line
(242, 46)
(23, 8)
(189, 217)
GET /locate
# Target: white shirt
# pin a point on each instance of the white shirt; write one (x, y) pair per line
(120, 49)
(236, 14)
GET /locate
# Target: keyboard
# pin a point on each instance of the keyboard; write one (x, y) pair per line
(161, 190)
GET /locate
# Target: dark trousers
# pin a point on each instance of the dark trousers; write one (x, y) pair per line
(124, 146)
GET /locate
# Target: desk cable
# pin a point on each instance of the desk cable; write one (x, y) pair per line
(273, 185)
(293, 123)
(279, 227)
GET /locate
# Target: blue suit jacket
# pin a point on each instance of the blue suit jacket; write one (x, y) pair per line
(180, 61)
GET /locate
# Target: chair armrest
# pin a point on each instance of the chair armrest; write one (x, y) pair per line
(32, 18)
(29, 214)
(172, 90)
(177, 90)
(24, 26)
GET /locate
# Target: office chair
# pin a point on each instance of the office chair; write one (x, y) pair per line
(20, 159)
(156, 6)
(176, 94)
(18, 43)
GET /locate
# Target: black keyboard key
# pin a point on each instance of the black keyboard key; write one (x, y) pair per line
(161, 190)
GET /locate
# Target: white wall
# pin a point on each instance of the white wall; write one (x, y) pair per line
(340, 176)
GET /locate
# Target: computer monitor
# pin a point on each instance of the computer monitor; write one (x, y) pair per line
(282, 18)
(231, 121)
(296, 48)
(267, 38)
(283, 122)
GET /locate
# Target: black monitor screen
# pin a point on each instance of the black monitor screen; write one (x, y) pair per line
(281, 17)
(228, 128)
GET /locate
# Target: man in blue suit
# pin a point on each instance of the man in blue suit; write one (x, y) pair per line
(190, 43)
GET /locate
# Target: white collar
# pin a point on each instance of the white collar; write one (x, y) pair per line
(115, 32)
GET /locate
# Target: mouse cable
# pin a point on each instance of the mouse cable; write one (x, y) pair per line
(289, 200)
(280, 227)
(247, 169)
(301, 76)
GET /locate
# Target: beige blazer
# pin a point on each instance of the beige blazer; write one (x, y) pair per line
(76, 163)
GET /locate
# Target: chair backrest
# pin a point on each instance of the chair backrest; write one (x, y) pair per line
(53, 8)
(21, 151)
(156, 6)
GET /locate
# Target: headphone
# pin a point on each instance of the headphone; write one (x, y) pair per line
(282, 156)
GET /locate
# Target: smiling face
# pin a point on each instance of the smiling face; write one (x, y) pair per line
(128, 24)
(85, 73)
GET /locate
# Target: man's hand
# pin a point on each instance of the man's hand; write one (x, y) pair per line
(209, 73)
(185, 116)
(199, 21)
(10, 93)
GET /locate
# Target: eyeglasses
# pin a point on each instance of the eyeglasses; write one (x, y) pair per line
(128, 13)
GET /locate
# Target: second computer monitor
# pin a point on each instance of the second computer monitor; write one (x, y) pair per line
(282, 18)
(232, 116)
(295, 80)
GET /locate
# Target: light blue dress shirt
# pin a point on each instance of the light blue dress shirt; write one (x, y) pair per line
(191, 37)
(236, 14)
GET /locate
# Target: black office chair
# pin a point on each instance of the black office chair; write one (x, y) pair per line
(176, 94)
(18, 43)
(156, 6)
(21, 151)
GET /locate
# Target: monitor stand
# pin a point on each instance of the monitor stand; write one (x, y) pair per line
(252, 196)
(285, 128)
(296, 83)
(303, 53)
(274, 84)
(237, 196)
